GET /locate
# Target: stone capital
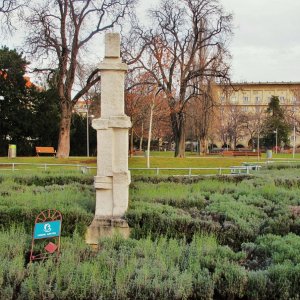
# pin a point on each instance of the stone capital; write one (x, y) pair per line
(119, 122)
(111, 65)
(100, 124)
(112, 122)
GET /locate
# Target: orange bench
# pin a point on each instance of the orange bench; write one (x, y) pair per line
(45, 150)
(240, 153)
(227, 153)
(245, 153)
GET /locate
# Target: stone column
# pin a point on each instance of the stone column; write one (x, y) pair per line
(113, 178)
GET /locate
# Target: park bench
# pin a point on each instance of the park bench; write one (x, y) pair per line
(235, 170)
(251, 166)
(45, 150)
(227, 153)
(245, 153)
(245, 169)
(240, 153)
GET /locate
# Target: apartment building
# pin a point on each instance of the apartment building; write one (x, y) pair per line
(252, 98)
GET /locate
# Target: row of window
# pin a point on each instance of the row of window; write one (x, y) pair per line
(258, 109)
(258, 100)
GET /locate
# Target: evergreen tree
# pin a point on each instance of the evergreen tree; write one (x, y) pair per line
(29, 114)
(275, 122)
(16, 101)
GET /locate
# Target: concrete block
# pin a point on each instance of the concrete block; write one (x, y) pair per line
(106, 227)
(112, 45)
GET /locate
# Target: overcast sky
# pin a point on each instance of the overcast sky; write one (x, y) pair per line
(266, 41)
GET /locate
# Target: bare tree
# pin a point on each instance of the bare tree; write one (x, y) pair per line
(253, 124)
(7, 10)
(61, 30)
(233, 124)
(200, 113)
(179, 30)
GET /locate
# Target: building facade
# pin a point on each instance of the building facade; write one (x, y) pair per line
(241, 108)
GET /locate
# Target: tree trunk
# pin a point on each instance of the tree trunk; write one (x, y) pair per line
(141, 139)
(179, 136)
(203, 146)
(63, 149)
(178, 126)
(149, 135)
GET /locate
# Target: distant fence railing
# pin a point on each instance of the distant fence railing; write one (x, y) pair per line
(45, 166)
(156, 171)
(233, 170)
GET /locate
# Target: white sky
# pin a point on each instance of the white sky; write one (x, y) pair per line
(266, 41)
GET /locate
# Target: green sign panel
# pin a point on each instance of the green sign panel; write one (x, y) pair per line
(47, 230)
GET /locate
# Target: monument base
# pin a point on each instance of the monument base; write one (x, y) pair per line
(106, 227)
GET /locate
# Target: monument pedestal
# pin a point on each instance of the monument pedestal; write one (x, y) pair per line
(106, 227)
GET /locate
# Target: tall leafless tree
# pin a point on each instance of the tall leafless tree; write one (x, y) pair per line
(200, 114)
(179, 30)
(7, 10)
(233, 124)
(61, 30)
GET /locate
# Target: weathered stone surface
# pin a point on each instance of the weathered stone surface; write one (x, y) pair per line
(106, 227)
(112, 45)
(113, 178)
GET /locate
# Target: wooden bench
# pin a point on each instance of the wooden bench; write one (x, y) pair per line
(240, 153)
(227, 153)
(45, 150)
(245, 153)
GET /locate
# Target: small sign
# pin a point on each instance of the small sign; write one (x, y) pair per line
(47, 229)
(46, 235)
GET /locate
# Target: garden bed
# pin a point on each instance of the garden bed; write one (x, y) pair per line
(191, 238)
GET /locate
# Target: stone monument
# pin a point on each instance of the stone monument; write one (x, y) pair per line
(113, 178)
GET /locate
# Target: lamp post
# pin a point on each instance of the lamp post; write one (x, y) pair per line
(276, 135)
(258, 145)
(294, 131)
(87, 132)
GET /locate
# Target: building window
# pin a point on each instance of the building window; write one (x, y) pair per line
(257, 109)
(245, 108)
(245, 100)
(257, 100)
(233, 99)
(281, 99)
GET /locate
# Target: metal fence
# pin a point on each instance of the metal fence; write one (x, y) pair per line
(247, 168)
(30, 166)
(150, 171)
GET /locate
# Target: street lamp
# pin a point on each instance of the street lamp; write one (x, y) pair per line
(87, 132)
(276, 132)
(258, 145)
(294, 137)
